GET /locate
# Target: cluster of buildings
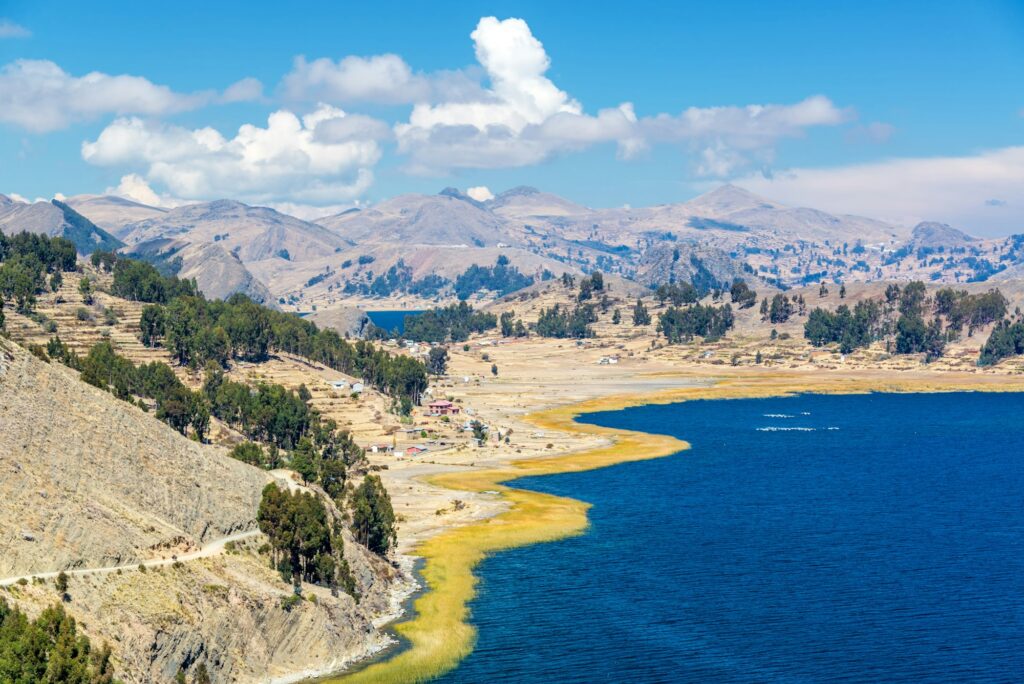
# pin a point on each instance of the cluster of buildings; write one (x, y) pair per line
(345, 386)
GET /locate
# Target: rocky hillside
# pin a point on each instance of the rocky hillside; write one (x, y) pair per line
(219, 273)
(251, 233)
(89, 480)
(54, 219)
(443, 219)
(113, 213)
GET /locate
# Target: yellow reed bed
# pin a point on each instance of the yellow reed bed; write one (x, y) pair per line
(440, 634)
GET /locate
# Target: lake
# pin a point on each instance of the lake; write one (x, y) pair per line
(390, 320)
(806, 539)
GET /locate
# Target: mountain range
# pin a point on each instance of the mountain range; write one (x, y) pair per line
(414, 248)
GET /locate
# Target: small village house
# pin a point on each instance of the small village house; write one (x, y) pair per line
(442, 407)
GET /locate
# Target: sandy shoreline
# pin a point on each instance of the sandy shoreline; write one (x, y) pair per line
(439, 632)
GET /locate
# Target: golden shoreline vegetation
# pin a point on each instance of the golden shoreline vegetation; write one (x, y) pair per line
(439, 634)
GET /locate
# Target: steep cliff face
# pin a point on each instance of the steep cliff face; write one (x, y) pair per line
(89, 482)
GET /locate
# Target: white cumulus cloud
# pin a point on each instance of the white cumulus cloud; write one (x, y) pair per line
(284, 161)
(134, 187)
(481, 193)
(726, 139)
(384, 79)
(245, 90)
(522, 118)
(39, 96)
(954, 190)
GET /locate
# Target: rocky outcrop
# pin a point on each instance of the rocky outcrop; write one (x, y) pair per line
(347, 321)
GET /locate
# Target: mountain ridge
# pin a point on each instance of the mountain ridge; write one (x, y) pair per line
(55, 219)
(727, 231)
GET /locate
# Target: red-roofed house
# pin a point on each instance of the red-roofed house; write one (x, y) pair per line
(442, 408)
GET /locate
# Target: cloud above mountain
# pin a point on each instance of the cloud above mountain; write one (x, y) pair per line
(504, 111)
(522, 118)
(286, 160)
(955, 190)
(516, 116)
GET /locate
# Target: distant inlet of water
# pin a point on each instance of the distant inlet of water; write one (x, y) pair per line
(867, 538)
(390, 320)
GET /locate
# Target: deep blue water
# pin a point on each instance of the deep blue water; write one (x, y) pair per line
(390, 320)
(885, 545)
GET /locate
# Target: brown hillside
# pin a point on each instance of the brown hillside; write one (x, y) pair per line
(89, 480)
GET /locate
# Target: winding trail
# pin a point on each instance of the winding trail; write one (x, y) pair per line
(213, 548)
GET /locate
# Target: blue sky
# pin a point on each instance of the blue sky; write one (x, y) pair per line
(900, 110)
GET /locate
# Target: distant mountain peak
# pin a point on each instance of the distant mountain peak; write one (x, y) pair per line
(455, 193)
(225, 205)
(518, 191)
(935, 234)
(729, 197)
(524, 201)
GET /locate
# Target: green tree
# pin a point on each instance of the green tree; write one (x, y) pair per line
(85, 289)
(479, 431)
(506, 321)
(560, 323)
(911, 333)
(373, 518)
(680, 324)
(303, 460)
(781, 309)
(640, 315)
(298, 528)
(249, 452)
(741, 294)
(1006, 339)
(586, 289)
(49, 649)
(437, 360)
